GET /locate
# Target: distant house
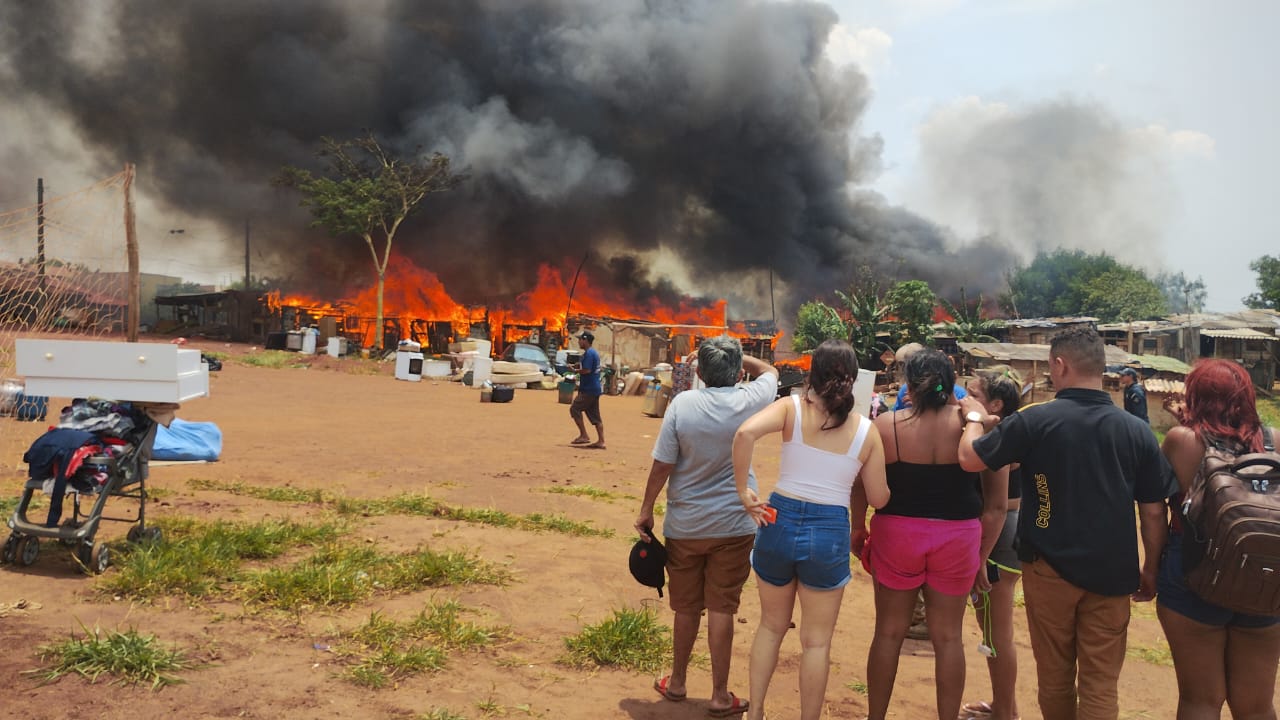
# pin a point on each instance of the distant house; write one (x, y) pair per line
(1038, 331)
(1030, 360)
(1172, 338)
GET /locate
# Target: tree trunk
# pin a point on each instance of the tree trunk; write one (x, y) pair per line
(377, 337)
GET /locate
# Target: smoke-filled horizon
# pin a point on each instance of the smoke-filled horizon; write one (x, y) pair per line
(714, 131)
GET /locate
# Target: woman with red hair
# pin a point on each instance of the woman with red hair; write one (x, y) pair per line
(1219, 656)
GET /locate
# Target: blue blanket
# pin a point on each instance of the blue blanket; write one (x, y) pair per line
(184, 440)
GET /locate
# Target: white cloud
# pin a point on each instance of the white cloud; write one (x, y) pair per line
(868, 48)
(1182, 143)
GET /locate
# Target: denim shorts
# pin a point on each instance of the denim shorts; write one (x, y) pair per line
(1172, 593)
(808, 541)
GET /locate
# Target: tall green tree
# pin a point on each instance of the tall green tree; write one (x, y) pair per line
(1268, 295)
(816, 321)
(1122, 295)
(1181, 295)
(1054, 283)
(367, 193)
(911, 304)
(968, 321)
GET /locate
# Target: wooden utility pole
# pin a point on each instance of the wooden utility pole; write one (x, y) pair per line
(246, 256)
(131, 245)
(40, 236)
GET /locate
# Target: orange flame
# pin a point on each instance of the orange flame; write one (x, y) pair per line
(414, 293)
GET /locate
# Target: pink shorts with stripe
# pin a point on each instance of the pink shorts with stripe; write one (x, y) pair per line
(907, 552)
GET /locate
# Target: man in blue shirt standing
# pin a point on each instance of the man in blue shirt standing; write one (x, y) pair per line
(589, 391)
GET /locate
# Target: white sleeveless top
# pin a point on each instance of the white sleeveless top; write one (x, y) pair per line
(819, 476)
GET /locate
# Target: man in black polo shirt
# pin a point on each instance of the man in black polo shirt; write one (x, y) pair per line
(1084, 463)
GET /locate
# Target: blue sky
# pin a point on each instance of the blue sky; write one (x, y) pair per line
(1186, 87)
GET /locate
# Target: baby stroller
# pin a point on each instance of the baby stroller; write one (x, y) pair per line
(112, 462)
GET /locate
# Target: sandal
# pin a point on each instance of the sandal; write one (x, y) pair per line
(737, 707)
(661, 686)
(975, 710)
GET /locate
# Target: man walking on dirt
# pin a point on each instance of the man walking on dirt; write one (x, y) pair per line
(1084, 464)
(709, 537)
(589, 391)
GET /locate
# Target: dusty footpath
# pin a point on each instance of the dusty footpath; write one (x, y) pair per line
(368, 435)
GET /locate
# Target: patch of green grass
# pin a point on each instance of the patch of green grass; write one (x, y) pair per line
(1157, 655)
(128, 657)
(7, 505)
(215, 354)
(1269, 411)
(629, 639)
(341, 575)
(588, 491)
(387, 650)
(274, 494)
(271, 359)
(196, 558)
(857, 686)
(411, 504)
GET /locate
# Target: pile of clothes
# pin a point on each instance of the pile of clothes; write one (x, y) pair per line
(75, 456)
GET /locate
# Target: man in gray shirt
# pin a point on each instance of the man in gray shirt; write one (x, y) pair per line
(709, 536)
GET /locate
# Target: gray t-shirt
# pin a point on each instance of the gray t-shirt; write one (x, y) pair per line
(697, 437)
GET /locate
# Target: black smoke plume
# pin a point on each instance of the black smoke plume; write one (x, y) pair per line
(713, 128)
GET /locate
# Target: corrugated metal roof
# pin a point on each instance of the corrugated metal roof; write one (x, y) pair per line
(1239, 334)
(1005, 352)
(1160, 363)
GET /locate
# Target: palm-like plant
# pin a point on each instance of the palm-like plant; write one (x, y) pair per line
(866, 317)
(968, 324)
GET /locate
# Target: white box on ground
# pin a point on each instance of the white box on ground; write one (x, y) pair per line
(139, 372)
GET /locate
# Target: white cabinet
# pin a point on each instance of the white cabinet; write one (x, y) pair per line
(140, 372)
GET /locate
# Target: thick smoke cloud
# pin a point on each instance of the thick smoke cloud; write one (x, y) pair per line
(711, 128)
(1061, 174)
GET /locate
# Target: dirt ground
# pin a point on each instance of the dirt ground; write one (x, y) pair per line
(369, 435)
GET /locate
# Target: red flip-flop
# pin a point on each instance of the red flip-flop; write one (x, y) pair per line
(661, 686)
(738, 707)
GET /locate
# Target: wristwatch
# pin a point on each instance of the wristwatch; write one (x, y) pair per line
(973, 416)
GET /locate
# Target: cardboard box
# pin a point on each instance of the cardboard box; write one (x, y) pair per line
(139, 372)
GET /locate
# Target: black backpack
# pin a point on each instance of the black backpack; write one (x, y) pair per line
(1231, 550)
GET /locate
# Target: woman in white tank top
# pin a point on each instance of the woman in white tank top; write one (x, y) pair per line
(803, 541)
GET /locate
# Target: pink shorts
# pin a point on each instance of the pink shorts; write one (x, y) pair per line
(907, 552)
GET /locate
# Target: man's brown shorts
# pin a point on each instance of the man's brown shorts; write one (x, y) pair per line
(708, 574)
(590, 404)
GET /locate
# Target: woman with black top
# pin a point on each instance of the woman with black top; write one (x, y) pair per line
(935, 532)
(999, 389)
(1219, 656)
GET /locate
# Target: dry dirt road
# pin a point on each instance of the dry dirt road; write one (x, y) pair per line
(367, 436)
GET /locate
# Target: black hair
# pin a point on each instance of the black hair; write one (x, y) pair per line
(931, 379)
(1083, 349)
(831, 377)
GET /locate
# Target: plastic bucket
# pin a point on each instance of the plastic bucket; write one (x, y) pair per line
(566, 388)
(482, 370)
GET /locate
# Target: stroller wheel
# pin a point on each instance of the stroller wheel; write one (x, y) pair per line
(139, 535)
(10, 553)
(28, 550)
(101, 558)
